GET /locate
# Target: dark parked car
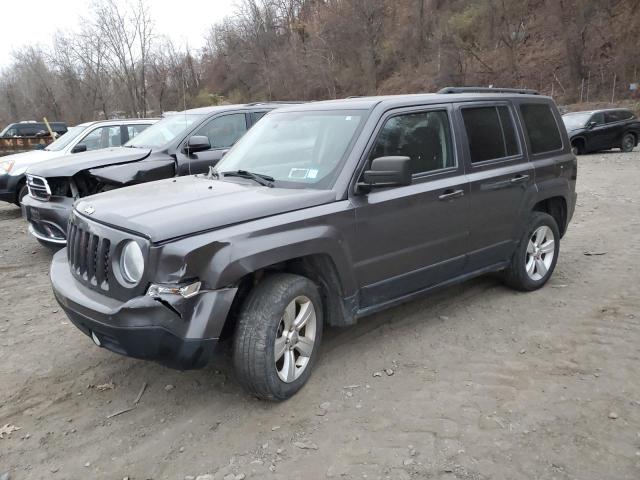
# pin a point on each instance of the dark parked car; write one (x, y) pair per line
(32, 129)
(81, 138)
(322, 214)
(180, 144)
(602, 130)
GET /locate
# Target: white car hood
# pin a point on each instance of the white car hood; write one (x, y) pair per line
(26, 159)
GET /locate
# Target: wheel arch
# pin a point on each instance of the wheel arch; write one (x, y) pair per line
(557, 207)
(320, 268)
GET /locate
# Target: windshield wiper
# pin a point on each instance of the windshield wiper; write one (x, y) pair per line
(264, 180)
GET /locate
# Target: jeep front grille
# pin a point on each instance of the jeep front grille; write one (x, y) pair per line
(89, 256)
(38, 187)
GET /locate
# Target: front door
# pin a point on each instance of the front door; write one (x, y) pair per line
(499, 175)
(412, 237)
(223, 131)
(602, 134)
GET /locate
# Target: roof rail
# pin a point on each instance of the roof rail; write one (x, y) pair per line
(269, 102)
(520, 91)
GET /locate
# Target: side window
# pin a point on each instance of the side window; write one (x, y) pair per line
(13, 132)
(490, 132)
(102, 137)
(542, 127)
(424, 137)
(224, 131)
(598, 118)
(615, 116)
(134, 130)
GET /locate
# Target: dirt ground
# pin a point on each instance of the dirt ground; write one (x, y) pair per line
(487, 383)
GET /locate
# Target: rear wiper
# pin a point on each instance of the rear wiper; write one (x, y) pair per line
(264, 180)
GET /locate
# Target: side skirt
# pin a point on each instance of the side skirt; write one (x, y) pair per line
(363, 312)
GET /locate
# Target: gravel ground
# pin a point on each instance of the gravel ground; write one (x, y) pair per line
(485, 383)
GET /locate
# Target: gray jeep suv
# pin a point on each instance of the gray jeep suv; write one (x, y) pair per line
(322, 214)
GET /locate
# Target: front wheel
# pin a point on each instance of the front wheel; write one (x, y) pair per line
(535, 257)
(628, 143)
(278, 336)
(22, 192)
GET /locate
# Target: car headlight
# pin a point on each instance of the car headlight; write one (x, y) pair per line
(132, 262)
(6, 166)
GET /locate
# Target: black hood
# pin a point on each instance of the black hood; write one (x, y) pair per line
(69, 165)
(182, 206)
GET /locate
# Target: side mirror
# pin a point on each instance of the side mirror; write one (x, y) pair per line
(388, 172)
(198, 143)
(81, 147)
(590, 125)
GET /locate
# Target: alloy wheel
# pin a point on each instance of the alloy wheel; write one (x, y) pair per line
(295, 339)
(540, 253)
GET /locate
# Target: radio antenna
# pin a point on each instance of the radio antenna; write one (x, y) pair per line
(184, 111)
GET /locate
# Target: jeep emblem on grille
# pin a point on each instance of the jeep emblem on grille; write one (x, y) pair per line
(89, 210)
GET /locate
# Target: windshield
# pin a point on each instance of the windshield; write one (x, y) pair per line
(65, 139)
(574, 121)
(164, 131)
(297, 149)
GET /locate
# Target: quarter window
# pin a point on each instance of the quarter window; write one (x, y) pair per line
(542, 128)
(224, 131)
(490, 132)
(134, 130)
(424, 137)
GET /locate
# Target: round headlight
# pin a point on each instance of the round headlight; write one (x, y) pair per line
(132, 262)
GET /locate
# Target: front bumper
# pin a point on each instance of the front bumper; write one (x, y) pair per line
(174, 331)
(48, 220)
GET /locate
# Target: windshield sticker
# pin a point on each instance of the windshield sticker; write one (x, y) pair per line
(299, 173)
(313, 173)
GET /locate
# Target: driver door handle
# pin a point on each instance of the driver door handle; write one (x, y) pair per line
(451, 194)
(520, 178)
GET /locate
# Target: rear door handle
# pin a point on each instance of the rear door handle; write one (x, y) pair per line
(450, 194)
(520, 178)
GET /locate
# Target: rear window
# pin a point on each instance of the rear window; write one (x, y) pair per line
(542, 128)
(490, 133)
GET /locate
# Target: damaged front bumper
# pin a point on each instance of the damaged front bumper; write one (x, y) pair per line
(175, 331)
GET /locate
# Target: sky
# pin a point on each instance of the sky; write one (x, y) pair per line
(185, 21)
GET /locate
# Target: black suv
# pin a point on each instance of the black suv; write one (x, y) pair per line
(322, 214)
(602, 130)
(182, 143)
(32, 129)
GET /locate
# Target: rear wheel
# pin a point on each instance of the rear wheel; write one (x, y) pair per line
(278, 336)
(535, 257)
(628, 143)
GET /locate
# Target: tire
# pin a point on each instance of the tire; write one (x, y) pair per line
(531, 267)
(22, 192)
(263, 322)
(577, 148)
(628, 143)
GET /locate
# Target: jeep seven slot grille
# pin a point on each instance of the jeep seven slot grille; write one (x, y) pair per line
(89, 256)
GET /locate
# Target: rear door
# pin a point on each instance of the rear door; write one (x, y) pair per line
(412, 237)
(223, 132)
(499, 174)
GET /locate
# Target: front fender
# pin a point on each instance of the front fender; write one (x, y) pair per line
(223, 257)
